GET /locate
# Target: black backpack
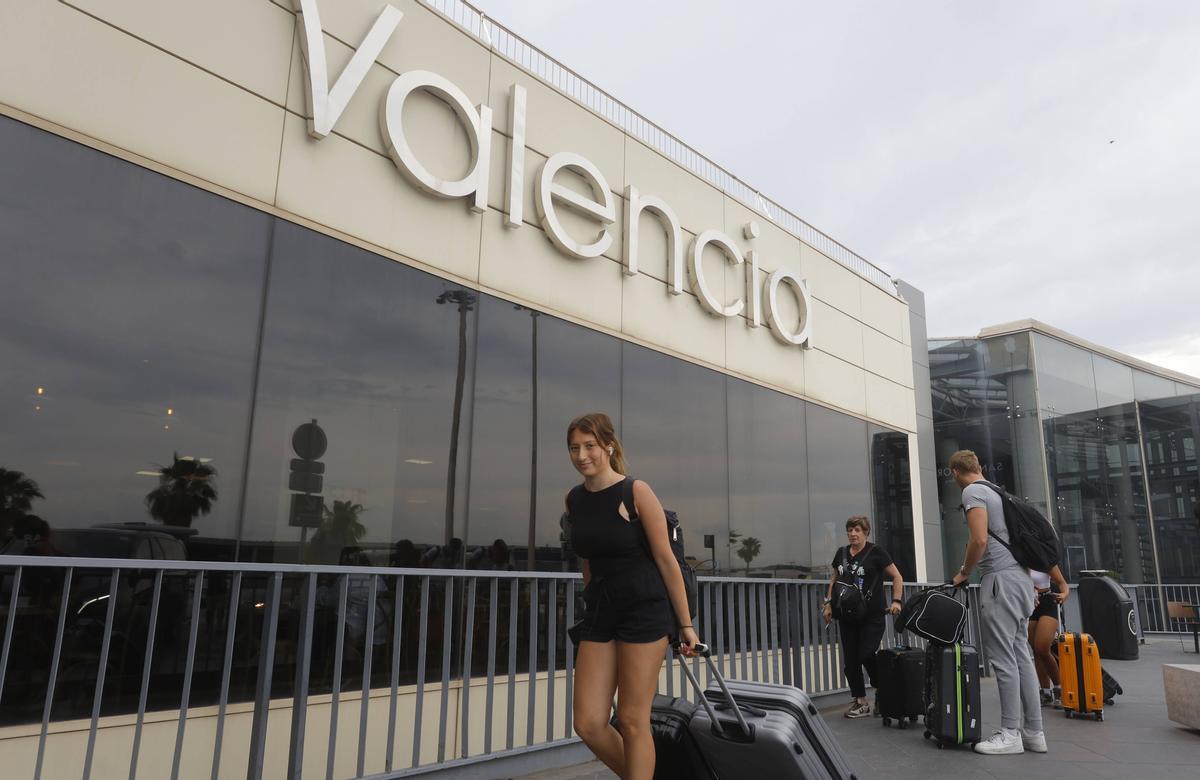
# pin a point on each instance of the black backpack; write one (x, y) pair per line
(674, 535)
(847, 602)
(1031, 538)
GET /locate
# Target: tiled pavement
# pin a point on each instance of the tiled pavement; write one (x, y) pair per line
(1135, 740)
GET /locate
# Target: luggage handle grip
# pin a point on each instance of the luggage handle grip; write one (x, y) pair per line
(705, 652)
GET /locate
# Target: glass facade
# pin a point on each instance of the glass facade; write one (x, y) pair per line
(188, 377)
(1104, 449)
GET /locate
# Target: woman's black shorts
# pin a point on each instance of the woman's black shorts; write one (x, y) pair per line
(1047, 606)
(629, 607)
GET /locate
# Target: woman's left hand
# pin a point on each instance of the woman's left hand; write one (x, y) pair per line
(1061, 596)
(688, 639)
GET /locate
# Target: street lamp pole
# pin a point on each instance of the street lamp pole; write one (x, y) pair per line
(465, 300)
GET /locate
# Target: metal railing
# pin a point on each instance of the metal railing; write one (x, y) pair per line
(117, 646)
(527, 56)
(1150, 602)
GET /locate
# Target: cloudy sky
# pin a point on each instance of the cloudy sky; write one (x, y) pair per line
(1013, 160)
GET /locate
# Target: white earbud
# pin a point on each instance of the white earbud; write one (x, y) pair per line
(610, 450)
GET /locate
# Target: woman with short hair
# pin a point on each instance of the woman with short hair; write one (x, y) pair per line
(862, 565)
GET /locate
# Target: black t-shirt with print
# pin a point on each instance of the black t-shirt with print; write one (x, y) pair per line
(866, 571)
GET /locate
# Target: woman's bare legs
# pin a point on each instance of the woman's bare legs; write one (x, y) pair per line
(595, 683)
(638, 666)
(1041, 637)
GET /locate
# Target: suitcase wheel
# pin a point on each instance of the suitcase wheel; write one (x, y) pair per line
(902, 723)
(927, 735)
(1069, 713)
(887, 721)
(912, 718)
(1099, 716)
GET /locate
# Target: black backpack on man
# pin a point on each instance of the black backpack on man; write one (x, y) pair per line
(1031, 538)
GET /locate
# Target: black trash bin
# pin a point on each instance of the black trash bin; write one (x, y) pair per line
(1107, 614)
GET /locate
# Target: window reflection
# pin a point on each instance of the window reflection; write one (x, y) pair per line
(118, 368)
(891, 498)
(373, 352)
(768, 482)
(673, 431)
(839, 479)
(1171, 431)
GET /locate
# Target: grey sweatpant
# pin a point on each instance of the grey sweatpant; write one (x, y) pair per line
(1006, 600)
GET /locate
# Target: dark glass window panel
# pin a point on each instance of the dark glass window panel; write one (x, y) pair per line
(891, 492)
(839, 479)
(579, 371)
(673, 431)
(768, 482)
(1066, 381)
(374, 352)
(502, 437)
(128, 322)
(984, 399)
(1171, 431)
(1095, 470)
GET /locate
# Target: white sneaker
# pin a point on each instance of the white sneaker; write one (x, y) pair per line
(1003, 742)
(1034, 741)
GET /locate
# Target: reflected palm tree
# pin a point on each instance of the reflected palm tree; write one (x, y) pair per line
(185, 490)
(340, 529)
(17, 491)
(749, 550)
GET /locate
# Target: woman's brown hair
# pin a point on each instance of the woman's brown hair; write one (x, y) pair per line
(861, 522)
(599, 425)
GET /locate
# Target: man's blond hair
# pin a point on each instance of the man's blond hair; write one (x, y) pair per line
(965, 461)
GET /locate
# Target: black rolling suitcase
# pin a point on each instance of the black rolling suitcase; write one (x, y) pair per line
(762, 730)
(900, 685)
(677, 755)
(952, 701)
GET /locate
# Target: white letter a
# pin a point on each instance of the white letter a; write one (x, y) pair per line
(324, 104)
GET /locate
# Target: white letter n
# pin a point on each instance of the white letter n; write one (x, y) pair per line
(326, 105)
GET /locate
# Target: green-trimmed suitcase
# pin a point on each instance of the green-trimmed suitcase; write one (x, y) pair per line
(952, 700)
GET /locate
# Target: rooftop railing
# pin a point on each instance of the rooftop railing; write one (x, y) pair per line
(524, 54)
(361, 671)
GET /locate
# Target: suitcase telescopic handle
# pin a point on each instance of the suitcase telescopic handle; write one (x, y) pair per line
(705, 652)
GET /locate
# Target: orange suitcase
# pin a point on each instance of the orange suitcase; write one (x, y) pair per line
(1082, 678)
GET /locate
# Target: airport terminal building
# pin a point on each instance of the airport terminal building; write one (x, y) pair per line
(327, 280)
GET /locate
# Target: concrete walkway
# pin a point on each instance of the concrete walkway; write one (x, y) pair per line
(1135, 740)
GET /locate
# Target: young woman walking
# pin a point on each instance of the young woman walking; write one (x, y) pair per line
(634, 596)
(1052, 591)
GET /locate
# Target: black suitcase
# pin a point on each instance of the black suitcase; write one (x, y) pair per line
(900, 685)
(953, 714)
(1111, 687)
(762, 730)
(677, 755)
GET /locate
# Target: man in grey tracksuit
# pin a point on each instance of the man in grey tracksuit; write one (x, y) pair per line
(1006, 599)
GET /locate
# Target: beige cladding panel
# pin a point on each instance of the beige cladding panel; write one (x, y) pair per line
(253, 35)
(885, 313)
(833, 381)
(76, 71)
(837, 333)
(674, 322)
(887, 357)
(341, 185)
(890, 403)
(755, 352)
(422, 41)
(694, 201)
(555, 123)
(525, 264)
(831, 281)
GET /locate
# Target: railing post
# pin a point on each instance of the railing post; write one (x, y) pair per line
(266, 669)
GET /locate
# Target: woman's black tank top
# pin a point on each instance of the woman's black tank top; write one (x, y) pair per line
(599, 533)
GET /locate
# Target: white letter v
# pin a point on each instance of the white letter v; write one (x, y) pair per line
(325, 105)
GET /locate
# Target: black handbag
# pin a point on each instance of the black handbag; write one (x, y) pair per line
(935, 614)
